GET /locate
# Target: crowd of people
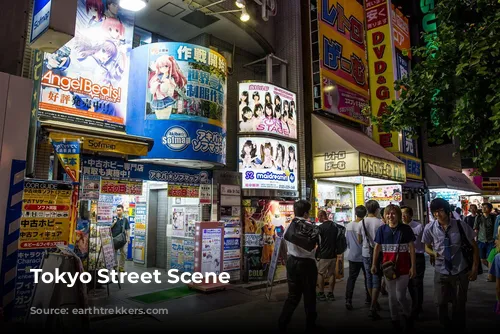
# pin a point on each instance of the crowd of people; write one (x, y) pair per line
(389, 247)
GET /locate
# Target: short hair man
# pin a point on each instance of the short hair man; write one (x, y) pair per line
(484, 227)
(121, 223)
(471, 219)
(442, 239)
(302, 272)
(326, 255)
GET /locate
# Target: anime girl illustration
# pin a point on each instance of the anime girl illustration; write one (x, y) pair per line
(292, 160)
(243, 100)
(95, 10)
(248, 154)
(101, 57)
(266, 153)
(246, 123)
(58, 61)
(280, 157)
(166, 85)
(114, 30)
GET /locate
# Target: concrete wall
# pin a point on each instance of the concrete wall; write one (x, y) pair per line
(441, 155)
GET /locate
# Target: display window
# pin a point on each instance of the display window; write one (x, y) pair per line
(338, 200)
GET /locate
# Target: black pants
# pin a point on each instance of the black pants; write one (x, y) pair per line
(301, 276)
(416, 285)
(354, 268)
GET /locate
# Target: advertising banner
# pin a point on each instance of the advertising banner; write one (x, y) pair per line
(86, 81)
(382, 169)
(211, 240)
(41, 18)
(268, 163)
(179, 100)
(413, 166)
(381, 68)
(401, 31)
(385, 195)
(175, 190)
(45, 222)
(121, 187)
(120, 169)
(343, 66)
(90, 189)
(265, 108)
(68, 153)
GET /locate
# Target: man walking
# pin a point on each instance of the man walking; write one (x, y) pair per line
(121, 224)
(355, 257)
(443, 240)
(327, 256)
(484, 227)
(301, 269)
(471, 219)
(416, 284)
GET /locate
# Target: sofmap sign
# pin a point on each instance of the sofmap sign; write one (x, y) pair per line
(179, 100)
(344, 86)
(380, 58)
(267, 163)
(85, 82)
(41, 18)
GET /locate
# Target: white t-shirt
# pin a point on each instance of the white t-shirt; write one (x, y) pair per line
(372, 224)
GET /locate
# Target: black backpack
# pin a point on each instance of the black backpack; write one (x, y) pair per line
(302, 234)
(341, 242)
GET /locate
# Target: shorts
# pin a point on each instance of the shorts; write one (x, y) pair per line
(326, 267)
(372, 281)
(485, 249)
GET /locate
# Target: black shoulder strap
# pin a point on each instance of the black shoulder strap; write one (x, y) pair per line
(366, 233)
(462, 234)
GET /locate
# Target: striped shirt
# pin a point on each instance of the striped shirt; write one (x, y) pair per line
(393, 241)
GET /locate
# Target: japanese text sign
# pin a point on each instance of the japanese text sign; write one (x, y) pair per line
(121, 187)
(183, 191)
(381, 168)
(401, 31)
(413, 166)
(69, 156)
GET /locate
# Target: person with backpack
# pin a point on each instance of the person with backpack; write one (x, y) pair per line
(301, 237)
(331, 243)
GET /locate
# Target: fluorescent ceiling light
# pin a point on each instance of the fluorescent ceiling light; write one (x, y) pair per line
(244, 15)
(240, 3)
(133, 5)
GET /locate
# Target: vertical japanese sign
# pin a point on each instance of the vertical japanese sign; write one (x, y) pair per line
(401, 32)
(344, 86)
(381, 67)
(86, 81)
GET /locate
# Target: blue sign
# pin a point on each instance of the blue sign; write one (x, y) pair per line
(179, 100)
(120, 169)
(409, 144)
(40, 19)
(231, 243)
(25, 281)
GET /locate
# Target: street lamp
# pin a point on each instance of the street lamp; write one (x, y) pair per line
(133, 5)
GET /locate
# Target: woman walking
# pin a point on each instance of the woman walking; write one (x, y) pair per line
(395, 240)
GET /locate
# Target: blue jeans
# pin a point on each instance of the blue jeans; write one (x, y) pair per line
(372, 281)
(485, 249)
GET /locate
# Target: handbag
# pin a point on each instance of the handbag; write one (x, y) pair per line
(121, 239)
(389, 267)
(467, 250)
(302, 234)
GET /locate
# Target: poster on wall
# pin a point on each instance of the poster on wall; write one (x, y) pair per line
(178, 221)
(265, 108)
(343, 65)
(268, 163)
(90, 189)
(85, 82)
(385, 195)
(265, 221)
(211, 250)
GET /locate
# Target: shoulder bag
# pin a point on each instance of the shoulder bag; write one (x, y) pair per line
(467, 250)
(302, 234)
(389, 268)
(121, 239)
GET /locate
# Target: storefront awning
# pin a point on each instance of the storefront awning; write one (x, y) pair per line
(446, 179)
(97, 141)
(339, 151)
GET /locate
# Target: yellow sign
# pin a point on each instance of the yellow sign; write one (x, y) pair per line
(381, 68)
(341, 43)
(46, 214)
(121, 187)
(104, 145)
(381, 169)
(413, 166)
(140, 226)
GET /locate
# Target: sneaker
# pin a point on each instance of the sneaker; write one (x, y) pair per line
(330, 297)
(321, 296)
(348, 305)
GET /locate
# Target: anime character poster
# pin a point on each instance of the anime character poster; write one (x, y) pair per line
(186, 82)
(268, 163)
(86, 81)
(265, 221)
(178, 222)
(265, 108)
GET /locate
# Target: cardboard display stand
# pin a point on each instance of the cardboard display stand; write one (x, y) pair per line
(278, 245)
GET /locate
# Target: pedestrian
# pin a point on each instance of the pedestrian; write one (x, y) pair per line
(396, 241)
(355, 257)
(484, 227)
(119, 227)
(471, 219)
(369, 227)
(301, 269)
(326, 256)
(416, 284)
(492, 255)
(495, 272)
(443, 241)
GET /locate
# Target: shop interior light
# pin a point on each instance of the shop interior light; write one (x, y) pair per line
(133, 5)
(244, 15)
(240, 3)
